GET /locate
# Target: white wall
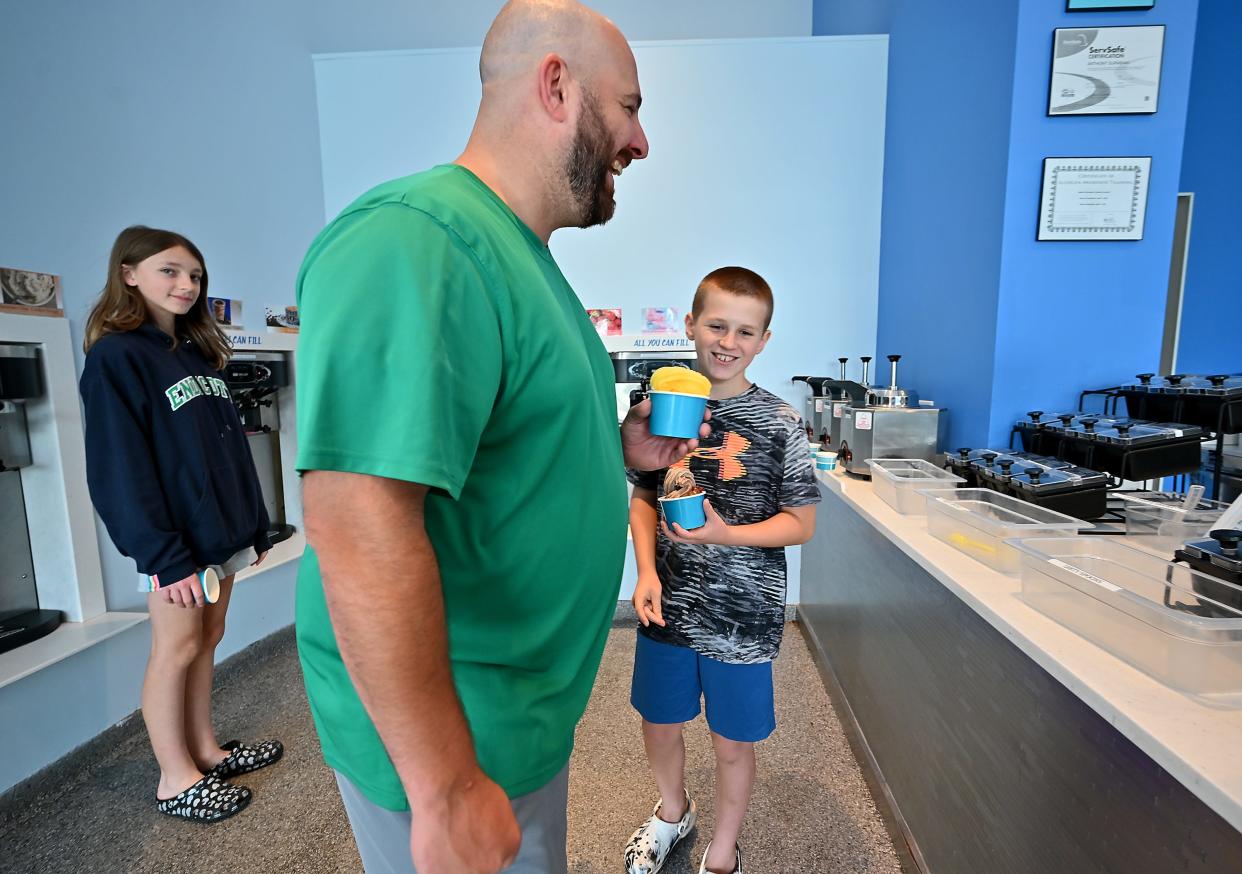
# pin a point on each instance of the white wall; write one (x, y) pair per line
(201, 117)
(741, 172)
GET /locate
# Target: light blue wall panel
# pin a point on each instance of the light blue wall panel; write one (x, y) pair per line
(785, 180)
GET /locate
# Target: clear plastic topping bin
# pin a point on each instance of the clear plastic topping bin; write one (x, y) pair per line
(1160, 519)
(1167, 619)
(979, 521)
(898, 482)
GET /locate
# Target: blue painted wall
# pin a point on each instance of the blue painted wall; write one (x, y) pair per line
(1075, 315)
(945, 163)
(1211, 338)
(993, 323)
(845, 17)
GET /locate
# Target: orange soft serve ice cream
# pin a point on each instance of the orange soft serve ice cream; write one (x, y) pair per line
(681, 380)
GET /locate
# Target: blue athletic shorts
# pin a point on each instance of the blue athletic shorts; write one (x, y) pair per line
(669, 680)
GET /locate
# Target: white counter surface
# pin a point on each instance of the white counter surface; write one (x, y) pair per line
(1199, 745)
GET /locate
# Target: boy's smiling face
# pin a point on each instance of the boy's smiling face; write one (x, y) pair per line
(729, 332)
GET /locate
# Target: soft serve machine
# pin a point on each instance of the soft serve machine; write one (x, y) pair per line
(254, 379)
(21, 620)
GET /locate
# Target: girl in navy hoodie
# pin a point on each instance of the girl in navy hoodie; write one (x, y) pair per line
(171, 476)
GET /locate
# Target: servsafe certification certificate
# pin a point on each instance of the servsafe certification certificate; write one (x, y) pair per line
(1106, 70)
(1093, 198)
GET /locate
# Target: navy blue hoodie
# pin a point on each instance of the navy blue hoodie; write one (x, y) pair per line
(167, 461)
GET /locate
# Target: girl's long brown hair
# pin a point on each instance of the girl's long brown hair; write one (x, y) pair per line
(121, 307)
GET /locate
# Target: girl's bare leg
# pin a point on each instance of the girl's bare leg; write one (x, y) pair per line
(200, 733)
(176, 639)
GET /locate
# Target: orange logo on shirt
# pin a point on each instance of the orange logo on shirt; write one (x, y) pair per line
(727, 453)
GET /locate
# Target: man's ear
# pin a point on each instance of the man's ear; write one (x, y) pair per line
(554, 87)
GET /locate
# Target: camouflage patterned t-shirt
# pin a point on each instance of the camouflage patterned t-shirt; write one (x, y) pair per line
(728, 602)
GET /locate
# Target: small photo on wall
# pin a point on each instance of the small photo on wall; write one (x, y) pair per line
(227, 312)
(282, 321)
(661, 320)
(607, 322)
(30, 293)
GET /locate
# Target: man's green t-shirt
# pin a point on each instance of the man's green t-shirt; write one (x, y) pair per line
(440, 344)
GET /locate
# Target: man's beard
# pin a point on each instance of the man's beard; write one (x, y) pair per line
(588, 166)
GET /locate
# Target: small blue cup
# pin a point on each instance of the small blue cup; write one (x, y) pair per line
(676, 415)
(687, 512)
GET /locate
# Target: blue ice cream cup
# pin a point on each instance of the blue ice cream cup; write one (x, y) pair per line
(674, 414)
(687, 511)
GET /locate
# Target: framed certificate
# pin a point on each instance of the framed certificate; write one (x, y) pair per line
(1093, 198)
(1105, 70)
(1106, 5)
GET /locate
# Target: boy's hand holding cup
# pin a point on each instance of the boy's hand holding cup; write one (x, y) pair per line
(683, 501)
(713, 529)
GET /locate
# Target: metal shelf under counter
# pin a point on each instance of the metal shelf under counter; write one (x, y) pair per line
(998, 739)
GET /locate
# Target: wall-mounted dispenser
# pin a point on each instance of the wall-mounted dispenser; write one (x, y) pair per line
(21, 620)
(255, 380)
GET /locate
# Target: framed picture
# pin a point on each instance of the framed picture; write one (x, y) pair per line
(661, 320)
(30, 293)
(1106, 70)
(282, 321)
(607, 321)
(227, 312)
(1107, 5)
(1093, 198)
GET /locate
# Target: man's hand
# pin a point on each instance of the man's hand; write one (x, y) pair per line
(714, 530)
(258, 561)
(468, 830)
(647, 599)
(644, 450)
(184, 593)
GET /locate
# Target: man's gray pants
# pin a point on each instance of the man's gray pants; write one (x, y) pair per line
(383, 836)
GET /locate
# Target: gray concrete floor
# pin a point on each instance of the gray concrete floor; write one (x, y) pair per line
(92, 812)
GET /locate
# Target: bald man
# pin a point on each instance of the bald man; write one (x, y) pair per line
(465, 501)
